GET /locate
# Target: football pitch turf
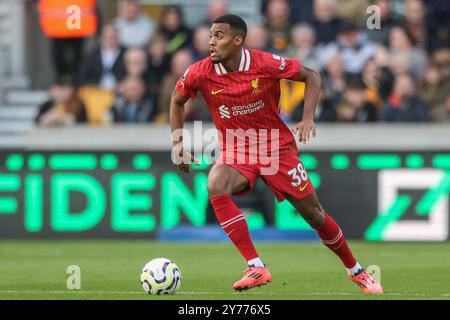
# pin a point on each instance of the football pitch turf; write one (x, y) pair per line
(110, 269)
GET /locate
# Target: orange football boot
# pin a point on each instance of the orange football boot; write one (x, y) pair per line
(253, 277)
(367, 283)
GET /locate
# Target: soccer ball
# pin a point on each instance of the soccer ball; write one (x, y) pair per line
(161, 277)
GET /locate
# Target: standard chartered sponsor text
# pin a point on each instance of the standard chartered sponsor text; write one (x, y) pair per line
(246, 109)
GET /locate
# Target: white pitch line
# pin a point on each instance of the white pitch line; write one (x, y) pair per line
(229, 293)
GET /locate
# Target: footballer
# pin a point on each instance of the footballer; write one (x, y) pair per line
(241, 88)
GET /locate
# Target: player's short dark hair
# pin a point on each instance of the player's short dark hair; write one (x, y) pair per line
(237, 24)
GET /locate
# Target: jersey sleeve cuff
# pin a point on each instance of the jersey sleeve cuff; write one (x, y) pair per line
(296, 68)
(184, 92)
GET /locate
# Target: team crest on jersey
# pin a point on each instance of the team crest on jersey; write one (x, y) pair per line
(255, 85)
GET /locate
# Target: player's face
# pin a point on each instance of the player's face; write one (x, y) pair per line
(223, 43)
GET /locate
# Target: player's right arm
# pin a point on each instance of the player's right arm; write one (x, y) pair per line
(182, 92)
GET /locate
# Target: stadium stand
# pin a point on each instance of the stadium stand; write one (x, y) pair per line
(415, 31)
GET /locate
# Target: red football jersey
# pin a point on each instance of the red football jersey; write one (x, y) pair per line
(246, 100)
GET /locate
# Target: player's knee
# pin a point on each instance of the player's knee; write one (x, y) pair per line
(218, 184)
(315, 215)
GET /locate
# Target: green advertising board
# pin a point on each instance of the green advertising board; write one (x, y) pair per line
(374, 196)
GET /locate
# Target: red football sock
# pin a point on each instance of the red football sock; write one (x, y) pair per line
(334, 239)
(234, 224)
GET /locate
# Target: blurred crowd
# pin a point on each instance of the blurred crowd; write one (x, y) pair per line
(399, 72)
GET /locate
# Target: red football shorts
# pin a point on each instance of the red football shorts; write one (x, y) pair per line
(291, 177)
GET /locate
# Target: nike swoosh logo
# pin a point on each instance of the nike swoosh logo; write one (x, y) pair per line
(216, 92)
(230, 232)
(304, 187)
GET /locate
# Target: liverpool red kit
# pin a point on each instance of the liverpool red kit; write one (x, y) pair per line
(244, 106)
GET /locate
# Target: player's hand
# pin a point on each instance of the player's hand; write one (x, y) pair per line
(182, 159)
(306, 130)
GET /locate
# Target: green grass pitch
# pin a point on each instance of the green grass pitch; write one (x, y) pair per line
(110, 269)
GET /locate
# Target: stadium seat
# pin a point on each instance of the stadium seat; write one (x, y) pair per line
(97, 101)
(292, 94)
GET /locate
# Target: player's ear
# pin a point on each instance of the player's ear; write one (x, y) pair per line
(238, 41)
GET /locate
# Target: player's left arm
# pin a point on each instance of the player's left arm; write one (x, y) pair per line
(313, 81)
